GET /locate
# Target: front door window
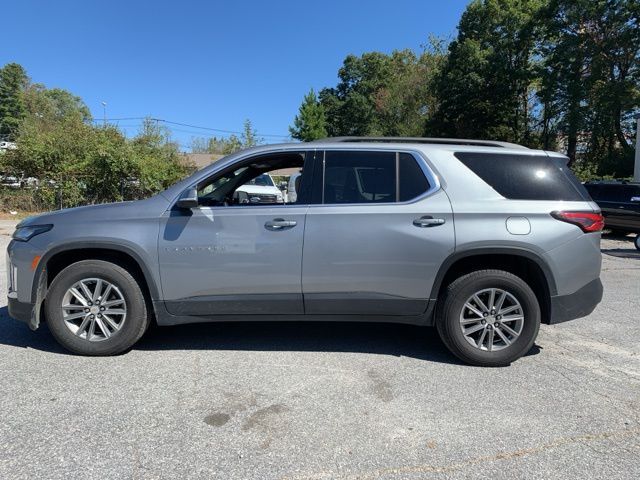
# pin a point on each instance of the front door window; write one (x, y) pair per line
(261, 181)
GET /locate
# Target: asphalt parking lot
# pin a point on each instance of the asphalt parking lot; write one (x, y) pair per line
(328, 401)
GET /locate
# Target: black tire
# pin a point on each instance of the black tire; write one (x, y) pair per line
(457, 293)
(137, 318)
(636, 242)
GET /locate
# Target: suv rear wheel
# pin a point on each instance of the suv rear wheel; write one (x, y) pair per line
(489, 318)
(96, 308)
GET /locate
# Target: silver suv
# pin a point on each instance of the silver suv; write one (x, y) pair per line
(485, 240)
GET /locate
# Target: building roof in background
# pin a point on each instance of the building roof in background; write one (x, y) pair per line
(201, 160)
(285, 172)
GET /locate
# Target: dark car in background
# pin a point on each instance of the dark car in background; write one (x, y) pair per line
(620, 205)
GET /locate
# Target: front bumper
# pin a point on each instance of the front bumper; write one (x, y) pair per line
(576, 305)
(23, 312)
(25, 291)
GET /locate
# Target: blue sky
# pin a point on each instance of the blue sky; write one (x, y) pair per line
(204, 62)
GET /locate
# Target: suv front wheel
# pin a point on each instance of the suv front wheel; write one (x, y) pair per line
(95, 307)
(489, 318)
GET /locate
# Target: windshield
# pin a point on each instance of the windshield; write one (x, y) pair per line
(263, 180)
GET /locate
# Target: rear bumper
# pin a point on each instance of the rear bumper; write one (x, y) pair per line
(576, 305)
(23, 312)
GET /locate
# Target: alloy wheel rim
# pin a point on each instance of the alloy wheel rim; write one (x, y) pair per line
(94, 309)
(492, 319)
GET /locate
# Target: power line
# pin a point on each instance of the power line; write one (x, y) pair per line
(169, 122)
(219, 130)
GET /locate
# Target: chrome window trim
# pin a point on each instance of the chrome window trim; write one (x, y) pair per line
(432, 178)
(243, 159)
(250, 206)
(427, 168)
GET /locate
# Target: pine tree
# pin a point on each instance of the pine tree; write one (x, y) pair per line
(310, 123)
(13, 81)
(249, 136)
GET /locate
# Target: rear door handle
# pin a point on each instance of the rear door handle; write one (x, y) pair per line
(428, 221)
(280, 224)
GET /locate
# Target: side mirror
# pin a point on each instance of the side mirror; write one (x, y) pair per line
(188, 199)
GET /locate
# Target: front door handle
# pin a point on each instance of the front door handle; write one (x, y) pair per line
(428, 221)
(279, 224)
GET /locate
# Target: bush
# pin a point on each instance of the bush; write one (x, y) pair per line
(78, 163)
(20, 201)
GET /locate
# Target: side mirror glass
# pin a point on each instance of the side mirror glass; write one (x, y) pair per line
(188, 199)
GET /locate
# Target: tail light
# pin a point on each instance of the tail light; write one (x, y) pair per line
(588, 222)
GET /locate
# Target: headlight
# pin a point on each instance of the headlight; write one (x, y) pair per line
(24, 234)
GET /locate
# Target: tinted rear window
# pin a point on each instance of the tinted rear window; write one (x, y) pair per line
(371, 177)
(360, 177)
(525, 177)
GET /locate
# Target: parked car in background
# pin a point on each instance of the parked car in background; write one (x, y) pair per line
(10, 181)
(8, 146)
(483, 240)
(620, 205)
(13, 181)
(261, 189)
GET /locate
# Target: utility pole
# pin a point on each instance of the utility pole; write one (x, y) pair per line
(104, 113)
(636, 170)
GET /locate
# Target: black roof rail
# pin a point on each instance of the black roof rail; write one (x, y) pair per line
(426, 140)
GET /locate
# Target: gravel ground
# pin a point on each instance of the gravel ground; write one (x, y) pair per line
(328, 401)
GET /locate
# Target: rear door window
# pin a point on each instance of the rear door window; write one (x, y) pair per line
(525, 177)
(359, 177)
(356, 177)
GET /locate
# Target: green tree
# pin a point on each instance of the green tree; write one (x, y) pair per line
(225, 146)
(591, 79)
(310, 123)
(82, 163)
(13, 81)
(55, 103)
(216, 145)
(380, 94)
(486, 85)
(249, 137)
(350, 106)
(200, 145)
(157, 159)
(230, 145)
(406, 103)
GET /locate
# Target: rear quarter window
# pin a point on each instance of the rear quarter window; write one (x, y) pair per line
(412, 181)
(525, 177)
